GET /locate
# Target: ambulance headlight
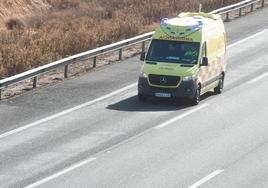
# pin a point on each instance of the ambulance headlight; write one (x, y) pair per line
(143, 75)
(189, 78)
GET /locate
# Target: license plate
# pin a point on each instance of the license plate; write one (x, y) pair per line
(163, 95)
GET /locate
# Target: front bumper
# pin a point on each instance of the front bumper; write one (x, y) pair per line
(184, 90)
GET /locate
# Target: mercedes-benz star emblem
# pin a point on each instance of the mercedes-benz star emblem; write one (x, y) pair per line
(163, 80)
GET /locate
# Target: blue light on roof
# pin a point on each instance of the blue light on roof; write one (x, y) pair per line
(164, 21)
(200, 23)
(194, 27)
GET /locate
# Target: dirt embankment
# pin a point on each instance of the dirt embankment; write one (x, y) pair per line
(18, 9)
(36, 32)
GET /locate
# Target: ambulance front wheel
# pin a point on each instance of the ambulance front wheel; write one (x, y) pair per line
(197, 96)
(219, 88)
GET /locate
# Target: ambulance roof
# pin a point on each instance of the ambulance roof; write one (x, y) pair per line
(187, 23)
(191, 19)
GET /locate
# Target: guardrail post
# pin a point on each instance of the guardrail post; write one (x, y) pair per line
(262, 3)
(34, 82)
(227, 17)
(240, 12)
(0, 94)
(94, 62)
(252, 7)
(143, 47)
(66, 71)
(120, 54)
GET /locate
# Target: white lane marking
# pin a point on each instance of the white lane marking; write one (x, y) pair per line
(101, 98)
(66, 170)
(162, 125)
(85, 162)
(247, 38)
(14, 131)
(205, 179)
(258, 78)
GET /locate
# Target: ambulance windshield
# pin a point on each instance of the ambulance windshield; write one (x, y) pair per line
(173, 52)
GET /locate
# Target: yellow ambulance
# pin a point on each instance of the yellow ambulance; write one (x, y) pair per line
(186, 58)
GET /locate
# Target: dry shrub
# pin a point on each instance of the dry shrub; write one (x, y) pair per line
(74, 26)
(14, 23)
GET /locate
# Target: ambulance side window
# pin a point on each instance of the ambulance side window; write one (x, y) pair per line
(204, 50)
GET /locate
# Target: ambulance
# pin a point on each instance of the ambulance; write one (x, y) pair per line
(186, 58)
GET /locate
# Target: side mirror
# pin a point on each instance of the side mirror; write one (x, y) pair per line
(142, 57)
(204, 61)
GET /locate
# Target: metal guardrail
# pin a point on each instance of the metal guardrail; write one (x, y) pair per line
(237, 6)
(34, 73)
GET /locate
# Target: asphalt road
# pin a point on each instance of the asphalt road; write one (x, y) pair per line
(89, 132)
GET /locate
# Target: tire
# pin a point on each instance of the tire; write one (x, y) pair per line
(219, 88)
(142, 98)
(197, 96)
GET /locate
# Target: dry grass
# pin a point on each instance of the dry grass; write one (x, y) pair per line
(40, 31)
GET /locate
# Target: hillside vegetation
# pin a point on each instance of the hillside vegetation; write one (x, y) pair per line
(36, 32)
